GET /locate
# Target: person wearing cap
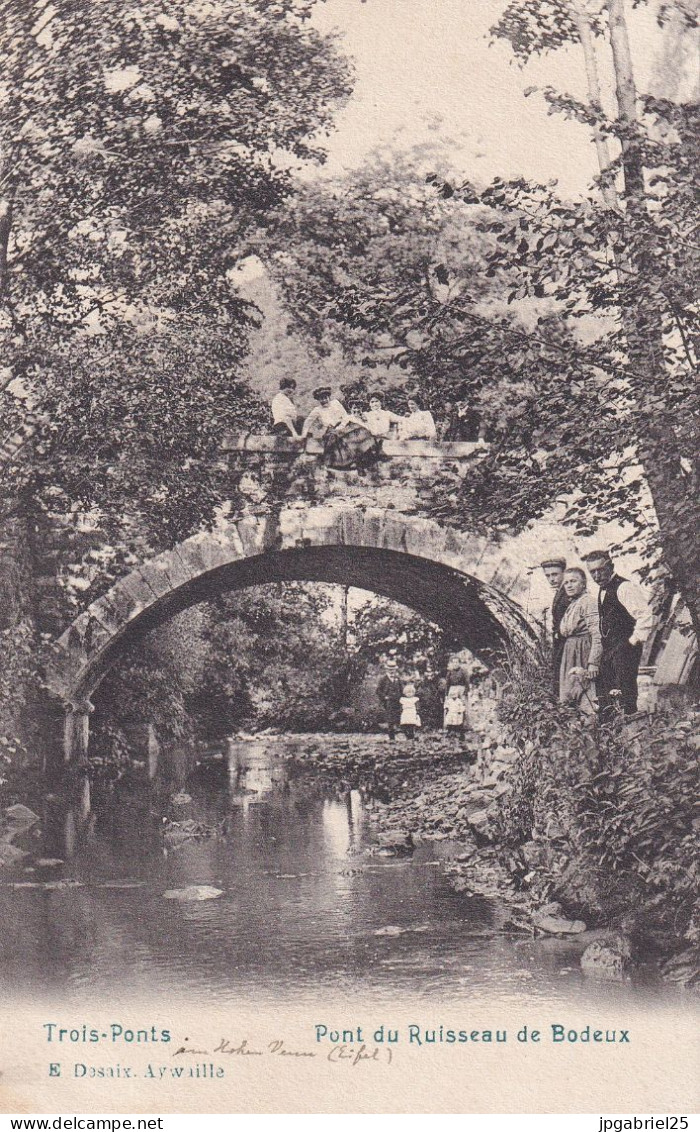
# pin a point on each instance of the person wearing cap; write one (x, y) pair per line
(625, 623)
(284, 411)
(389, 692)
(554, 570)
(328, 414)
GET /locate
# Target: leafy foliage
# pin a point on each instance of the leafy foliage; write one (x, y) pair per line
(276, 660)
(613, 807)
(380, 627)
(142, 153)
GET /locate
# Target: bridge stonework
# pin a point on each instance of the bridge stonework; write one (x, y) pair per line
(295, 519)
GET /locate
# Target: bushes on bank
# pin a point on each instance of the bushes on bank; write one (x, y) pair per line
(603, 815)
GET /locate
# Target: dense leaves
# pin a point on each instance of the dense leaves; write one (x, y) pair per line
(141, 153)
(612, 809)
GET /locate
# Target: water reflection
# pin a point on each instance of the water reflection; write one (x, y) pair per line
(304, 906)
(255, 772)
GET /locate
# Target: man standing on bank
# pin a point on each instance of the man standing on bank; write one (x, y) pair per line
(389, 691)
(554, 569)
(625, 623)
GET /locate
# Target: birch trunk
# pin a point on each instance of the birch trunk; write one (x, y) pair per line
(673, 491)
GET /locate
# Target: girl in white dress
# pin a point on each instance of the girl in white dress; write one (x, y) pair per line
(410, 718)
(455, 709)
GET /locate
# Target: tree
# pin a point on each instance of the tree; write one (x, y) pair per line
(406, 274)
(275, 658)
(142, 149)
(139, 155)
(381, 626)
(645, 233)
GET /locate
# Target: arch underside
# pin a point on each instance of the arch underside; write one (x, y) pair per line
(472, 613)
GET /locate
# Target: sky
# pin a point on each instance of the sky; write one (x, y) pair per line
(426, 72)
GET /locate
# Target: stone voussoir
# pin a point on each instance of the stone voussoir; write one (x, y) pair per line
(251, 531)
(220, 549)
(138, 589)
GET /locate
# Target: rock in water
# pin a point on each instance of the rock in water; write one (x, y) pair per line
(129, 883)
(18, 819)
(21, 816)
(193, 892)
(395, 843)
(606, 958)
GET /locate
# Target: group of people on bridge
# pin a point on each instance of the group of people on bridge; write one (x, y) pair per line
(350, 437)
(418, 699)
(597, 642)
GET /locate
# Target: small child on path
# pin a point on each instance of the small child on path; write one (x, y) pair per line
(410, 718)
(455, 710)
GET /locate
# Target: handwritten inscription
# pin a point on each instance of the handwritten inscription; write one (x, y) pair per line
(341, 1054)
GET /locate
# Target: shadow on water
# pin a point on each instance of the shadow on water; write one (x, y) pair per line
(303, 902)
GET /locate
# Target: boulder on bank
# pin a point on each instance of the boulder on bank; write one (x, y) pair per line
(607, 958)
(480, 822)
(533, 853)
(549, 919)
(683, 968)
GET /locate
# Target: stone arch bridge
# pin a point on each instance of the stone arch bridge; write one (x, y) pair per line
(300, 521)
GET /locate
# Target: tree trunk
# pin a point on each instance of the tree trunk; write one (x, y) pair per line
(673, 492)
(5, 229)
(607, 187)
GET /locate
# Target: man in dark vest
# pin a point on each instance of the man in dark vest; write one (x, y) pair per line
(389, 695)
(625, 623)
(554, 569)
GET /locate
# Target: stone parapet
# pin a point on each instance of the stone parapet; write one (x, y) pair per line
(406, 449)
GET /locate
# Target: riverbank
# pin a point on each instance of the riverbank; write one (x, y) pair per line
(516, 833)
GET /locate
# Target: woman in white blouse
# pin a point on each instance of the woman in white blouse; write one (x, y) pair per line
(419, 424)
(379, 420)
(328, 414)
(284, 411)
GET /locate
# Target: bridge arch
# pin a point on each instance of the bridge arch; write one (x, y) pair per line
(463, 582)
